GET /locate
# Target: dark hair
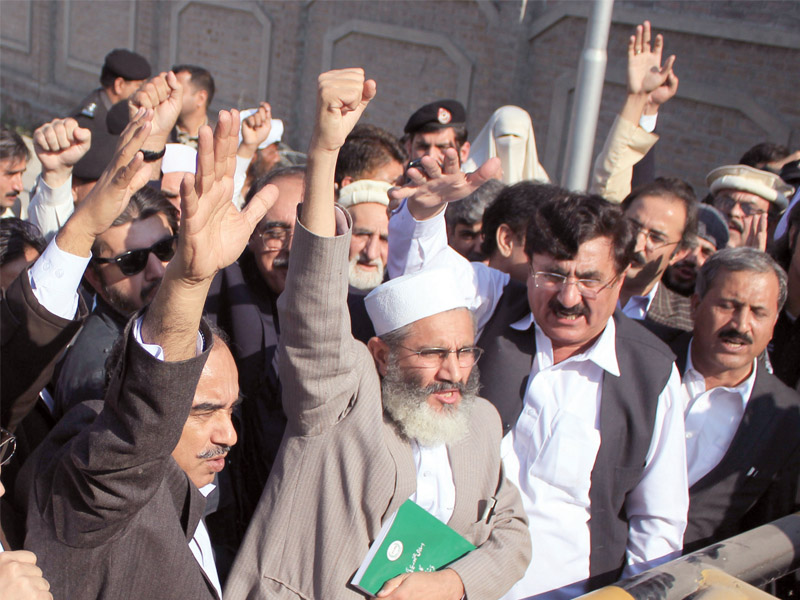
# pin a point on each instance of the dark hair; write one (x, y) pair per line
(562, 224)
(514, 206)
(471, 209)
(460, 131)
(258, 184)
(12, 145)
(766, 152)
(15, 236)
(366, 148)
(671, 188)
(740, 259)
(144, 203)
(785, 245)
(200, 78)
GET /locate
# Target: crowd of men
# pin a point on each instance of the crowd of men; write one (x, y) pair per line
(226, 363)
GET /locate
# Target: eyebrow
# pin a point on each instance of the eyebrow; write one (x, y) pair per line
(212, 406)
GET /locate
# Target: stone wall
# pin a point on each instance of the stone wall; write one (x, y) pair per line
(737, 62)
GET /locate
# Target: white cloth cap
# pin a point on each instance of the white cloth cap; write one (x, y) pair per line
(508, 134)
(275, 132)
(364, 190)
(179, 158)
(767, 185)
(409, 298)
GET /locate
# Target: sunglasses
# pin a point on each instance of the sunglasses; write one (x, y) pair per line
(133, 261)
(8, 444)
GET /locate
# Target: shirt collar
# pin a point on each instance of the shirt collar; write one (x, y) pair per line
(744, 389)
(603, 352)
(647, 299)
(207, 489)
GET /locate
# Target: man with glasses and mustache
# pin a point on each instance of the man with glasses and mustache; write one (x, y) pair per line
(371, 426)
(590, 401)
(128, 262)
(752, 200)
(742, 447)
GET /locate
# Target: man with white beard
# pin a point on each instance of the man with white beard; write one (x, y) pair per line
(356, 447)
(366, 202)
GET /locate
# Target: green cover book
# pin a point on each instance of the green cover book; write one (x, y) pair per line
(410, 540)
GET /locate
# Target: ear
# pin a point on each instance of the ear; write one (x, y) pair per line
(119, 82)
(505, 239)
(380, 353)
(695, 300)
(94, 279)
(679, 255)
(347, 180)
(202, 97)
(409, 145)
(463, 153)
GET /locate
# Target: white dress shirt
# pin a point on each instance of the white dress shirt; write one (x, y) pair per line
(200, 545)
(436, 491)
(50, 207)
(712, 418)
(637, 306)
(552, 465)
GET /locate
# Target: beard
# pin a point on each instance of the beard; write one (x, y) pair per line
(125, 304)
(406, 402)
(366, 280)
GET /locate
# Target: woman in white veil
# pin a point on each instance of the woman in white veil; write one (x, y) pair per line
(508, 134)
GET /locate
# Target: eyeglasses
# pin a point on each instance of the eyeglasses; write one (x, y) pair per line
(553, 282)
(435, 357)
(133, 261)
(8, 444)
(276, 238)
(726, 204)
(652, 239)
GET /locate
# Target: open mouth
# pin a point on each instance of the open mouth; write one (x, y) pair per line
(450, 396)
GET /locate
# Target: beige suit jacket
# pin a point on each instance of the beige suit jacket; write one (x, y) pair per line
(343, 467)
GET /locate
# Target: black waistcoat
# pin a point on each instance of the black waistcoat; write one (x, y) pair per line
(627, 415)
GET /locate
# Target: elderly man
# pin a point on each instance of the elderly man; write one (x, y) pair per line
(604, 480)
(117, 485)
(742, 447)
(751, 200)
(352, 454)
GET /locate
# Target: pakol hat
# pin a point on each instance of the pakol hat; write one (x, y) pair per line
(363, 191)
(742, 178)
(409, 298)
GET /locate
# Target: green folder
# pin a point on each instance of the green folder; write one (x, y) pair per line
(410, 540)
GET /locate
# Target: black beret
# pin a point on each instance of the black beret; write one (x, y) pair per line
(437, 115)
(790, 173)
(127, 64)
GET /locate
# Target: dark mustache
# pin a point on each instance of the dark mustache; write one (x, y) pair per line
(736, 225)
(731, 335)
(562, 311)
(215, 451)
(638, 260)
(281, 261)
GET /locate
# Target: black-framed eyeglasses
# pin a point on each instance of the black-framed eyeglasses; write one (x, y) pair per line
(8, 445)
(653, 240)
(275, 238)
(133, 261)
(726, 204)
(435, 357)
(553, 282)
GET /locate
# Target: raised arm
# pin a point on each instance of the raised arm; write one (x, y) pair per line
(59, 145)
(650, 84)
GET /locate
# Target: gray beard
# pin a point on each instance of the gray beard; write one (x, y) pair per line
(365, 280)
(406, 402)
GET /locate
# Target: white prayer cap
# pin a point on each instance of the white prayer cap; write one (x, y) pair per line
(767, 185)
(409, 298)
(179, 158)
(275, 132)
(364, 190)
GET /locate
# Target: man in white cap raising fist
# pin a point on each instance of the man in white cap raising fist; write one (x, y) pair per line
(371, 427)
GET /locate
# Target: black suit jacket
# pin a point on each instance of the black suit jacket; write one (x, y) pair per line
(110, 513)
(756, 481)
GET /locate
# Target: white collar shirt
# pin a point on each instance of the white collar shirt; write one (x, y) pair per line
(200, 545)
(637, 306)
(436, 491)
(550, 455)
(712, 418)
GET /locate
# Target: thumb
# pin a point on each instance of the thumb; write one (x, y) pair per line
(81, 135)
(491, 169)
(259, 205)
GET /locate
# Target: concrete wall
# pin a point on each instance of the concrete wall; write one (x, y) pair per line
(737, 62)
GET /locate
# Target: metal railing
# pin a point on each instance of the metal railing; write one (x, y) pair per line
(731, 569)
